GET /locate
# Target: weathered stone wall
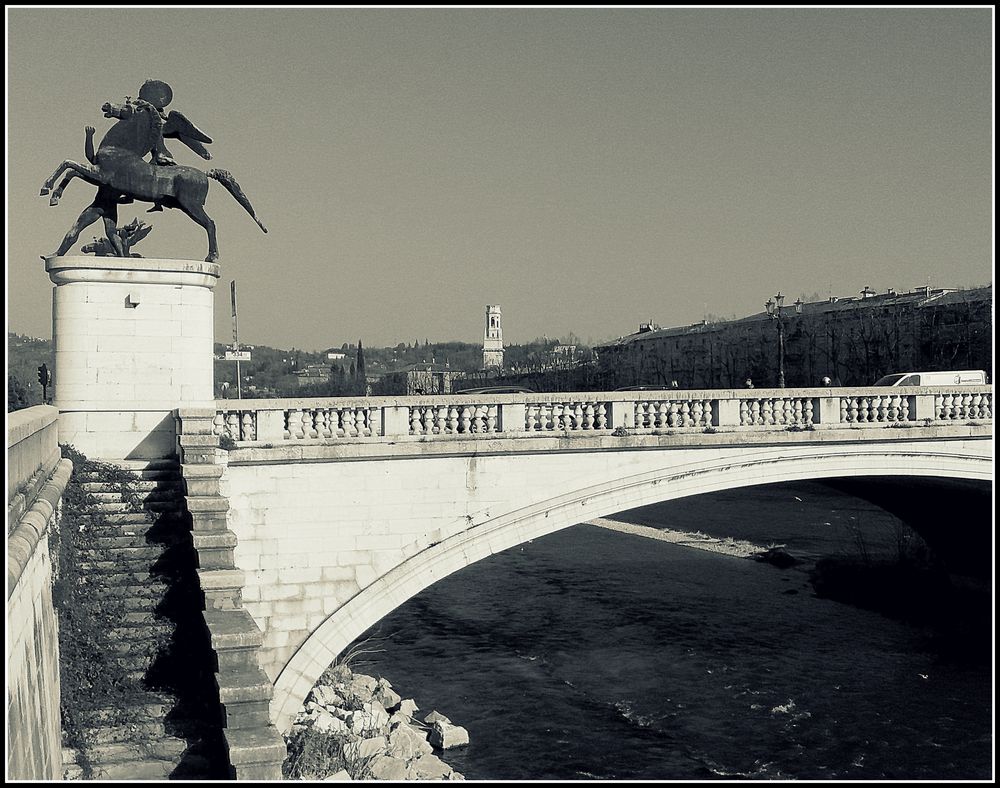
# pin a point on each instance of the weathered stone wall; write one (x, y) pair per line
(345, 534)
(34, 746)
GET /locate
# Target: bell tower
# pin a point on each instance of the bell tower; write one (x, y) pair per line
(493, 340)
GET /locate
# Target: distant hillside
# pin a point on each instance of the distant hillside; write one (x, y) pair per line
(24, 356)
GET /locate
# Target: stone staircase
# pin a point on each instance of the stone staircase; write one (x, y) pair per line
(146, 559)
(254, 746)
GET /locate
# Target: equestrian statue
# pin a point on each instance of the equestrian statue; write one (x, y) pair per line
(120, 172)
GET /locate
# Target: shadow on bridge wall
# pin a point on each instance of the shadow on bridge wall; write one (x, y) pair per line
(945, 512)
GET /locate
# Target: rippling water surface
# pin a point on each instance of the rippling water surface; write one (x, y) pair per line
(592, 653)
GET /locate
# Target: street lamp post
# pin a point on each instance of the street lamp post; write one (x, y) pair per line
(774, 306)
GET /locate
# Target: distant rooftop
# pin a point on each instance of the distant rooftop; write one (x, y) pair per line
(923, 296)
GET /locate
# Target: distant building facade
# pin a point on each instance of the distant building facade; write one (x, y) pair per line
(417, 379)
(851, 340)
(312, 375)
(493, 340)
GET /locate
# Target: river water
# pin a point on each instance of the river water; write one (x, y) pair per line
(591, 653)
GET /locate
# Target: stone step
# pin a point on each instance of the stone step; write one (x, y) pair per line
(167, 748)
(128, 579)
(145, 707)
(143, 631)
(126, 541)
(124, 519)
(119, 564)
(120, 507)
(149, 769)
(107, 554)
(139, 597)
(111, 734)
(255, 747)
(142, 617)
(149, 473)
(141, 486)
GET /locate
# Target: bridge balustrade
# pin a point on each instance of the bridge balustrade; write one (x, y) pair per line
(375, 418)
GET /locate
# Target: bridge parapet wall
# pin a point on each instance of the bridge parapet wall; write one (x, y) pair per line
(361, 419)
(37, 477)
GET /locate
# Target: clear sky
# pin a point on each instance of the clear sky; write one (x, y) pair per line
(587, 169)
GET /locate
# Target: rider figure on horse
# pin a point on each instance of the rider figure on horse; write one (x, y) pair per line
(154, 96)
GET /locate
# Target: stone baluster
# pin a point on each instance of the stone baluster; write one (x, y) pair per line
(601, 416)
(416, 427)
(233, 425)
(465, 420)
(349, 422)
(578, 416)
(294, 424)
(219, 424)
(452, 420)
(248, 428)
(697, 413)
(492, 418)
(588, 416)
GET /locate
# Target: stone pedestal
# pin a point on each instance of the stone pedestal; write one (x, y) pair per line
(133, 342)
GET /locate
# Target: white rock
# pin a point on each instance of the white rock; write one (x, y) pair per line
(324, 695)
(385, 767)
(327, 723)
(365, 748)
(407, 707)
(430, 767)
(408, 743)
(387, 696)
(444, 735)
(435, 716)
(341, 775)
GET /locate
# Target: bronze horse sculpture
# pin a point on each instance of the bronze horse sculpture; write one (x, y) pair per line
(122, 175)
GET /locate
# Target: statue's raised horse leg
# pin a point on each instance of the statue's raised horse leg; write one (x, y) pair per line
(88, 146)
(87, 172)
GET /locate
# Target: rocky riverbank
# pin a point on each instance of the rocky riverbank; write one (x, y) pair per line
(357, 727)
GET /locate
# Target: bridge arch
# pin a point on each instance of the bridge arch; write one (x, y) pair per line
(751, 467)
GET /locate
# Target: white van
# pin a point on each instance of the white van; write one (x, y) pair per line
(964, 377)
